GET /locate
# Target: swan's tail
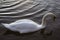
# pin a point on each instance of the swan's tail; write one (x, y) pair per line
(5, 25)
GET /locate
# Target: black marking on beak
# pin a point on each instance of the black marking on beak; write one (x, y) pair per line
(54, 18)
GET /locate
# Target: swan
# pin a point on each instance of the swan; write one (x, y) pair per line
(27, 25)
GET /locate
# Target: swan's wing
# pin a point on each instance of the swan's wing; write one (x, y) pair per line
(26, 27)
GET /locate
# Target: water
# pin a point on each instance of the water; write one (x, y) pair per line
(15, 9)
(54, 6)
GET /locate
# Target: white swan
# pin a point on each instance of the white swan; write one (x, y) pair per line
(26, 25)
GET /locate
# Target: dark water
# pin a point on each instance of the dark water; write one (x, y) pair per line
(52, 6)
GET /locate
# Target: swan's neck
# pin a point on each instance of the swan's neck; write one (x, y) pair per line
(43, 21)
(44, 18)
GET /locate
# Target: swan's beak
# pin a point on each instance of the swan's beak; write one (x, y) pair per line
(54, 18)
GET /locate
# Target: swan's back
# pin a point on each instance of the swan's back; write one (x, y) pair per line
(22, 20)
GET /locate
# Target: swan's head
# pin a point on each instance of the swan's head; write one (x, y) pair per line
(44, 18)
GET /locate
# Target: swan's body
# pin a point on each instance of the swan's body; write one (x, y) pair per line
(23, 26)
(26, 25)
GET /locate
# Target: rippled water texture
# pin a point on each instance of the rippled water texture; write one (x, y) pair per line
(14, 9)
(11, 11)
